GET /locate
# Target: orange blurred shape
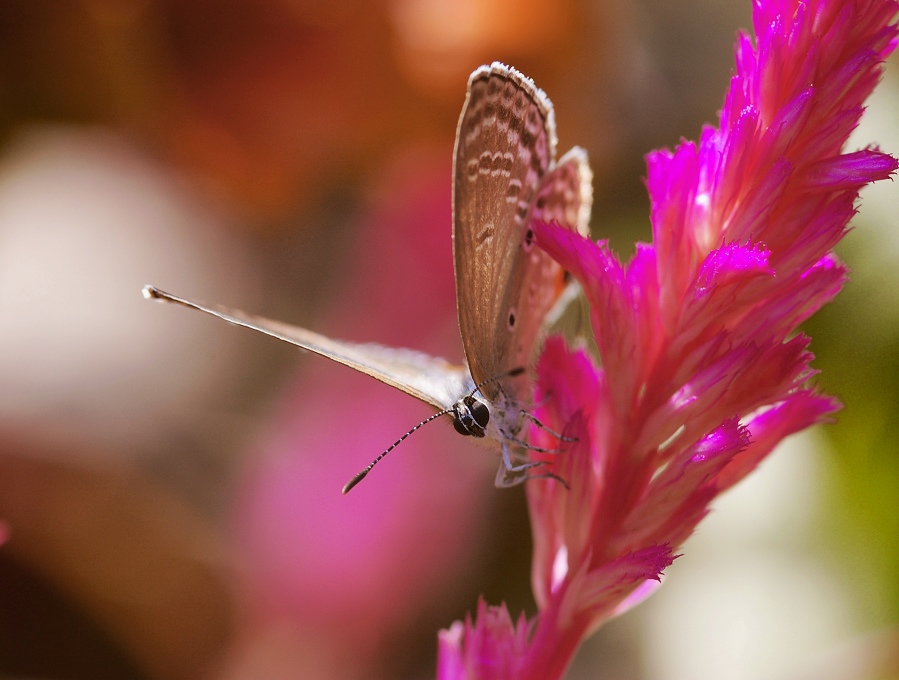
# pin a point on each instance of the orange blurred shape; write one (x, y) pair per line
(274, 101)
(441, 40)
(148, 569)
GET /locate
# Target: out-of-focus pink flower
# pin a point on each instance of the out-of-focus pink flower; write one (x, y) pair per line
(323, 570)
(702, 369)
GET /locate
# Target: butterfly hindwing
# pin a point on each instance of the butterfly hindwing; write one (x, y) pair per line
(564, 196)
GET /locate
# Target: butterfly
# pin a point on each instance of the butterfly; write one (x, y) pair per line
(505, 178)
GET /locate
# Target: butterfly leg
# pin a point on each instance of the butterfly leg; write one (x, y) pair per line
(509, 466)
(557, 435)
(510, 474)
(506, 479)
(527, 445)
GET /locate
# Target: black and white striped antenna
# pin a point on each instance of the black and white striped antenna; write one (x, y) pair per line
(359, 476)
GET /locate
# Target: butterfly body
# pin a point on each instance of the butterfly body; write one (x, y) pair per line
(506, 177)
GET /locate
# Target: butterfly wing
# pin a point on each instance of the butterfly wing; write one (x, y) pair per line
(566, 193)
(505, 143)
(565, 196)
(430, 379)
(505, 177)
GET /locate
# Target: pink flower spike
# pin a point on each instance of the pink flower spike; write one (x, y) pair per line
(678, 497)
(731, 265)
(850, 171)
(799, 411)
(702, 369)
(627, 573)
(571, 387)
(491, 648)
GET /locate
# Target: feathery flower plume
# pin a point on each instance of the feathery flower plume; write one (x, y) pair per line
(702, 369)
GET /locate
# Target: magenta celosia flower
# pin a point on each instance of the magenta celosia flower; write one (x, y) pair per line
(702, 369)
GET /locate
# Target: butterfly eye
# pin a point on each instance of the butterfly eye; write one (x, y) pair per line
(480, 413)
(470, 417)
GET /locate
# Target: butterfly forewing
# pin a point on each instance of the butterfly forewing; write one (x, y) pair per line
(505, 178)
(504, 145)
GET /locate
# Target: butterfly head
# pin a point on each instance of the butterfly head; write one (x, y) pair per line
(471, 415)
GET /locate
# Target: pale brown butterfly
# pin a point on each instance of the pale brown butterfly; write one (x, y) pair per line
(507, 289)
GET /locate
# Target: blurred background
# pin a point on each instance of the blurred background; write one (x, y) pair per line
(170, 499)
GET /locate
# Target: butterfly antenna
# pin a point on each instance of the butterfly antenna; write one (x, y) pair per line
(359, 476)
(513, 373)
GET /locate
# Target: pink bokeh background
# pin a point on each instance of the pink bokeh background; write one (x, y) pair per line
(170, 485)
